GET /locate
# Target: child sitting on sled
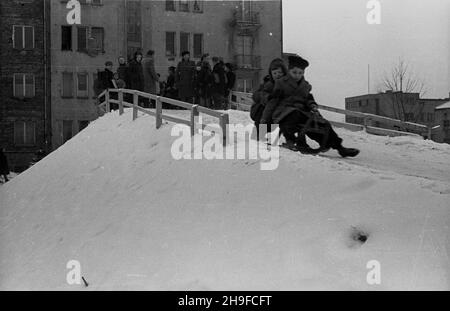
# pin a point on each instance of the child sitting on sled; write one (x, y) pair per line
(293, 107)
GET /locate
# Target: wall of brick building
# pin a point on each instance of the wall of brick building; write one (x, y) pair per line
(33, 61)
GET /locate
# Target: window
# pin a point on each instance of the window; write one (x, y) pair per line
(23, 85)
(197, 6)
(244, 85)
(96, 40)
(67, 89)
(170, 43)
(184, 5)
(170, 5)
(184, 42)
(430, 117)
(66, 38)
(446, 123)
(82, 125)
(23, 37)
(24, 133)
(67, 130)
(82, 85)
(82, 33)
(198, 45)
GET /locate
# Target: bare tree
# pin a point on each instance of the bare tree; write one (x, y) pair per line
(402, 81)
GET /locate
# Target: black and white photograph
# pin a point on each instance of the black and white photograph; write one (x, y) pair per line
(225, 146)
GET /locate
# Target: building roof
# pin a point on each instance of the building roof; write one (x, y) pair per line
(444, 106)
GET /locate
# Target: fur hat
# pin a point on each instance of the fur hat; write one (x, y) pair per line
(297, 61)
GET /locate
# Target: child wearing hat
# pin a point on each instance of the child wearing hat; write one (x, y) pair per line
(293, 107)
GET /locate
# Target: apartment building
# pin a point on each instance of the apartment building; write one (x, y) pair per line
(79, 51)
(25, 126)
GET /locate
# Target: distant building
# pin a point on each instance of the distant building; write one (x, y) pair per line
(443, 119)
(397, 105)
(25, 125)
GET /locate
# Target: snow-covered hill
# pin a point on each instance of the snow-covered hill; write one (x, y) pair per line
(114, 199)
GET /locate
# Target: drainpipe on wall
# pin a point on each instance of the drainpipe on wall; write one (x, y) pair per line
(45, 79)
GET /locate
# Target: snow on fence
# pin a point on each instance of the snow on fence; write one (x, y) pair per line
(243, 101)
(158, 113)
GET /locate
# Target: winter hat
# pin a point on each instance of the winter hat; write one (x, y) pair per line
(297, 61)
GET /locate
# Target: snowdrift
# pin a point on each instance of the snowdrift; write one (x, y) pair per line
(114, 199)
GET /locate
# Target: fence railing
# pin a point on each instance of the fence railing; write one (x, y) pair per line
(243, 101)
(105, 101)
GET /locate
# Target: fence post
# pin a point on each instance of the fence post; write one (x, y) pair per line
(120, 97)
(224, 120)
(194, 114)
(429, 132)
(366, 122)
(158, 112)
(108, 105)
(135, 105)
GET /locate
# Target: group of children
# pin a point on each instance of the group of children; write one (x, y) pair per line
(285, 99)
(206, 83)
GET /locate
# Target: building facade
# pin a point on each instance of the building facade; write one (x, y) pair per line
(396, 105)
(245, 33)
(25, 110)
(79, 51)
(49, 66)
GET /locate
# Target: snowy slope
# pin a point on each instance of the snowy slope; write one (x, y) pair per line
(114, 199)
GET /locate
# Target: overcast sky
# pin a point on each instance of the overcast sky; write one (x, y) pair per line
(335, 37)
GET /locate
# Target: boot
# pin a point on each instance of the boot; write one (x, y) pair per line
(348, 152)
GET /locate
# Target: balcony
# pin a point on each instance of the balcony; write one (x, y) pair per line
(246, 20)
(250, 62)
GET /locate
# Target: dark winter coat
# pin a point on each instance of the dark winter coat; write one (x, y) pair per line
(150, 76)
(185, 79)
(220, 80)
(123, 73)
(261, 98)
(135, 76)
(4, 167)
(170, 91)
(106, 78)
(231, 80)
(204, 81)
(288, 96)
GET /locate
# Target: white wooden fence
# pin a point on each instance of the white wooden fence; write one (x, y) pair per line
(105, 100)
